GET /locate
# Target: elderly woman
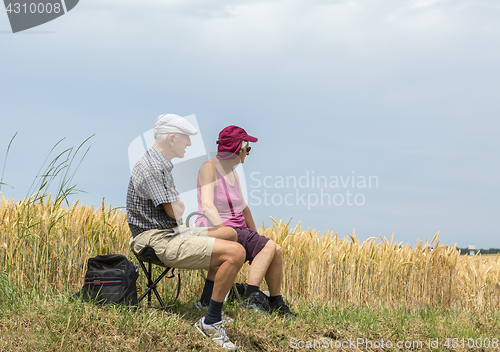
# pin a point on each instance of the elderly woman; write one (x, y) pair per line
(220, 198)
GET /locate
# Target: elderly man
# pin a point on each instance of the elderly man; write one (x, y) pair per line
(153, 213)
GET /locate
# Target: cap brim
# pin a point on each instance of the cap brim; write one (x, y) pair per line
(250, 139)
(190, 132)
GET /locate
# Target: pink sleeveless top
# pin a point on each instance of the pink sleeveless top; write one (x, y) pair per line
(227, 199)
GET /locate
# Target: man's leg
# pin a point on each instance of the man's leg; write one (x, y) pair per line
(228, 257)
(226, 260)
(225, 233)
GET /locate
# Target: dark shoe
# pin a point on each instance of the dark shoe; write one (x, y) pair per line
(256, 302)
(283, 310)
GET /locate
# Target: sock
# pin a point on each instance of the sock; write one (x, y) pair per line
(207, 292)
(250, 289)
(276, 300)
(214, 312)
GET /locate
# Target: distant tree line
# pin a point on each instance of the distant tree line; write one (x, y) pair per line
(482, 251)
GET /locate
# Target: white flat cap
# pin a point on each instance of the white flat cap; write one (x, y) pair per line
(171, 123)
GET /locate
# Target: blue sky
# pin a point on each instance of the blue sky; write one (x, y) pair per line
(404, 91)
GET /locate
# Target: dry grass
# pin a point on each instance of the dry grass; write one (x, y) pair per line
(54, 324)
(44, 246)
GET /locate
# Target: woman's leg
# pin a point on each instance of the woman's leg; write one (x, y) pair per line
(261, 265)
(274, 274)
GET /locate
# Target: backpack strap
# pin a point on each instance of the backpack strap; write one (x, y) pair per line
(131, 286)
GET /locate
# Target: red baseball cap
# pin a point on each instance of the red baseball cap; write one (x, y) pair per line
(229, 142)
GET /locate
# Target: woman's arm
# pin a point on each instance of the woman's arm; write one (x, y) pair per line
(247, 214)
(207, 184)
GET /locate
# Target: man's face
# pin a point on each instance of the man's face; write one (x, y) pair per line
(180, 145)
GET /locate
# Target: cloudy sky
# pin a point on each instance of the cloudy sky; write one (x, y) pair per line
(404, 94)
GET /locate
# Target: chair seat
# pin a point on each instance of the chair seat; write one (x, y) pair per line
(149, 254)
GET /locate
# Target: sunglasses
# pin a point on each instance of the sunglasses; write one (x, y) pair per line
(247, 150)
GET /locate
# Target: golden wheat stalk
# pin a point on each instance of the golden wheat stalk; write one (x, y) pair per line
(43, 245)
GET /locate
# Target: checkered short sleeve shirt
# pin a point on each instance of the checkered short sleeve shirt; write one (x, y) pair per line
(151, 185)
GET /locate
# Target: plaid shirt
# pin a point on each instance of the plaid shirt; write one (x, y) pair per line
(151, 185)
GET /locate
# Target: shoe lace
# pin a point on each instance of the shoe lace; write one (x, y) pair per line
(221, 332)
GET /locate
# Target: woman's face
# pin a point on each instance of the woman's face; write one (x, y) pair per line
(244, 152)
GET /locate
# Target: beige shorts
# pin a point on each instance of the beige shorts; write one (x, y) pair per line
(179, 248)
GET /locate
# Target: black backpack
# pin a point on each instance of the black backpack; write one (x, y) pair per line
(110, 279)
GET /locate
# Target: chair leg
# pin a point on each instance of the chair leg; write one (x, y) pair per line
(152, 287)
(148, 276)
(150, 282)
(237, 294)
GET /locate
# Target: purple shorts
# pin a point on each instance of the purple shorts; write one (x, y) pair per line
(251, 241)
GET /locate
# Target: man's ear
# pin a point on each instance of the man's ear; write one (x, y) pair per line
(170, 139)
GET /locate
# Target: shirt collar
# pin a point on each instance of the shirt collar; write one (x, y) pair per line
(156, 154)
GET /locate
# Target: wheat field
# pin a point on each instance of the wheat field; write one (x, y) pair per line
(44, 246)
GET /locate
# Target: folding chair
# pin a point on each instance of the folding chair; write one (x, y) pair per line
(148, 256)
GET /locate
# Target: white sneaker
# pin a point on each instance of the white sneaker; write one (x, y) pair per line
(216, 332)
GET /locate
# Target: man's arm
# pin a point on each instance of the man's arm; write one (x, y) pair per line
(159, 187)
(174, 210)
